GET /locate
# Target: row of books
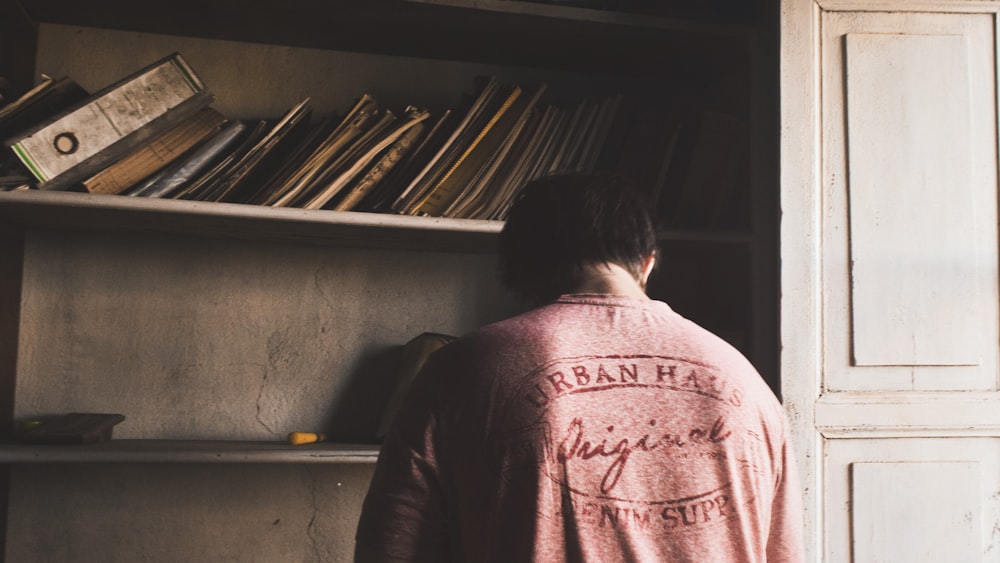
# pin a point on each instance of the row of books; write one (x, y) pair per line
(467, 162)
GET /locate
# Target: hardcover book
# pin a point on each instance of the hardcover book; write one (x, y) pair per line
(83, 139)
(151, 156)
(189, 166)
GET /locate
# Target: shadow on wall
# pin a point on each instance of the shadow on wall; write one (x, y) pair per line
(374, 392)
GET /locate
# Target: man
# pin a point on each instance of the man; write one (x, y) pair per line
(600, 426)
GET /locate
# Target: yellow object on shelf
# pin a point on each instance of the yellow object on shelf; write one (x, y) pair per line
(299, 438)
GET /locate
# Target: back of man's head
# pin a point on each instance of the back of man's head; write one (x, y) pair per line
(560, 223)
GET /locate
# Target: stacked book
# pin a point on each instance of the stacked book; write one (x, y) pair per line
(155, 134)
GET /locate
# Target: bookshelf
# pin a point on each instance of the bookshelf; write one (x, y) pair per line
(72, 210)
(218, 328)
(190, 451)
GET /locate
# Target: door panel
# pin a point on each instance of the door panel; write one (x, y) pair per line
(909, 256)
(912, 499)
(890, 282)
(905, 224)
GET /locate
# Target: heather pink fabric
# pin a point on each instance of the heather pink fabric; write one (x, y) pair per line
(597, 428)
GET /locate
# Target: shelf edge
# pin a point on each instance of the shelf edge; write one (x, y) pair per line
(187, 451)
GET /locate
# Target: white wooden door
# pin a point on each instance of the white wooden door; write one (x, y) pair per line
(889, 311)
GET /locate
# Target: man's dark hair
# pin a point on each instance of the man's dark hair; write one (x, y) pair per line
(561, 222)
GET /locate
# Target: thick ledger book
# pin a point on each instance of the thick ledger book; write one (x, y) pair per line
(189, 166)
(83, 139)
(151, 156)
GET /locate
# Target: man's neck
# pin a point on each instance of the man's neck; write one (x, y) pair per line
(610, 279)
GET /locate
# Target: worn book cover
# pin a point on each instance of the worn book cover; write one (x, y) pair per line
(80, 141)
(378, 171)
(488, 137)
(293, 164)
(493, 151)
(183, 170)
(378, 144)
(382, 196)
(151, 156)
(201, 186)
(326, 155)
(509, 177)
(480, 108)
(264, 158)
(336, 173)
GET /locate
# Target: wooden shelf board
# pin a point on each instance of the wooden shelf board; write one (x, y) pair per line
(109, 213)
(187, 451)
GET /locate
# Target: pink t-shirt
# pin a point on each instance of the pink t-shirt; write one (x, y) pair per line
(597, 428)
